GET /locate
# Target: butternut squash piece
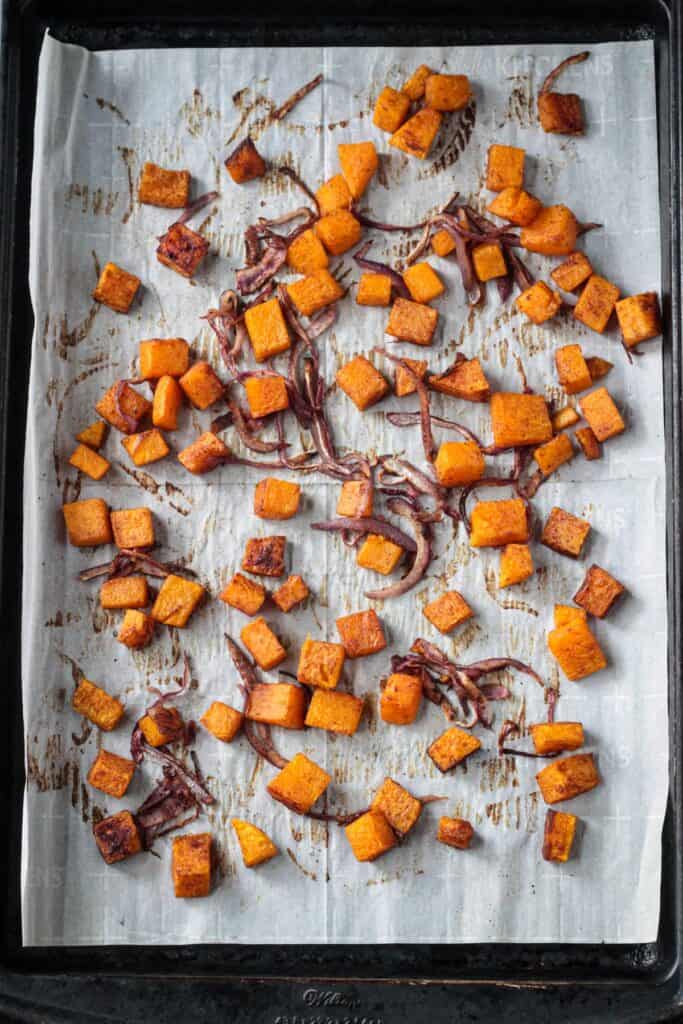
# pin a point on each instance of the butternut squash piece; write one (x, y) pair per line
(191, 865)
(133, 528)
(267, 329)
(558, 836)
(262, 644)
(256, 847)
(452, 747)
(401, 698)
(497, 523)
(516, 565)
(166, 404)
(176, 601)
(222, 721)
(505, 167)
(299, 784)
(266, 395)
(111, 774)
(361, 633)
(598, 592)
(282, 704)
(416, 136)
(370, 836)
(276, 499)
(448, 611)
(201, 385)
(401, 809)
(358, 162)
(639, 318)
(97, 705)
(567, 778)
(116, 288)
(320, 663)
(334, 711)
(364, 384)
(601, 414)
(565, 533)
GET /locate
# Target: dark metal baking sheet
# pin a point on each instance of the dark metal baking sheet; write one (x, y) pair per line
(270, 983)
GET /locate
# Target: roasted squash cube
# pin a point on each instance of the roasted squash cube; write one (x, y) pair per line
(416, 135)
(456, 832)
(334, 711)
(566, 613)
(93, 435)
(338, 231)
(245, 163)
(423, 282)
(558, 835)
(489, 261)
(516, 565)
(204, 454)
(124, 592)
(560, 113)
(414, 88)
(163, 357)
(136, 630)
(519, 419)
(565, 417)
(176, 601)
(553, 454)
(358, 162)
(465, 379)
(201, 385)
(314, 292)
(133, 528)
(596, 303)
(355, 499)
(243, 594)
(182, 249)
(412, 321)
(447, 92)
(162, 725)
(320, 663)
(292, 592)
(159, 187)
(299, 784)
(116, 288)
(168, 398)
(222, 721)
(565, 533)
(567, 778)
(505, 167)
(191, 865)
(364, 384)
(552, 232)
(639, 318)
(443, 243)
(96, 705)
(391, 109)
(123, 407)
(379, 554)
(267, 329)
(497, 523)
(262, 644)
(266, 395)
(572, 272)
(276, 499)
(601, 414)
(459, 463)
(592, 449)
(282, 704)
(576, 649)
(404, 376)
(401, 698)
(265, 556)
(149, 446)
(539, 303)
(255, 845)
(306, 254)
(361, 634)
(401, 809)
(370, 836)
(572, 369)
(374, 290)
(448, 611)
(556, 737)
(117, 837)
(452, 747)
(598, 592)
(89, 462)
(334, 195)
(515, 205)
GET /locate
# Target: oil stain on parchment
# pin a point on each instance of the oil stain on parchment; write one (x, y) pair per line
(457, 141)
(507, 603)
(521, 106)
(92, 200)
(196, 113)
(108, 105)
(517, 812)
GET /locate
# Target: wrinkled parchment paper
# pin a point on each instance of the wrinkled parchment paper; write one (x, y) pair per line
(99, 117)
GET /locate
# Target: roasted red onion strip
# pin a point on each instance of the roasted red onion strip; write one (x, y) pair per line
(371, 524)
(296, 97)
(322, 321)
(160, 812)
(140, 749)
(423, 554)
(131, 422)
(250, 279)
(550, 80)
(397, 282)
(425, 416)
(130, 560)
(410, 419)
(245, 434)
(425, 239)
(195, 206)
(338, 819)
(171, 695)
(379, 225)
(300, 183)
(257, 733)
(523, 277)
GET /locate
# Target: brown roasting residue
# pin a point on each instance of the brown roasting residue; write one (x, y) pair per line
(517, 812)
(521, 108)
(108, 105)
(497, 773)
(456, 143)
(304, 871)
(507, 603)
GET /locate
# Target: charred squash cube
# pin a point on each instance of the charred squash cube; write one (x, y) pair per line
(123, 407)
(539, 303)
(97, 706)
(516, 565)
(553, 454)
(89, 462)
(601, 414)
(596, 303)
(374, 290)
(136, 630)
(243, 594)
(265, 556)
(519, 419)
(201, 385)
(355, 499)
(572, 369)
(443, 243)
(338, 231)
(307, 254)
(379, 554)
(459, 463)
(159, 187)
(267, 329)
(315, 292)
(639, 318)
(556, 737)
(162, 725)
(361, 634)
(334, 195)
(182, 249)
(282, 704)
(166, 404)
(370, 836)
(448, 611)
(558, 836)
(497, 523)
(552, 232)
(204, 454)
(320, 663)
(133, 528)
(416, 136)
(391, 110)
(176, 601)
(505, 167)
(149, 446)
(452, 747)
(191, 865)
(93, 435)
(401, 809)
(576, 649)
(592, 449)
(116, 288)
(465, 379)
(364, 384)
(111, 774)
(456, 832)
(124, 592)
(335, 712)
(515, 205)
(222, 721)
(412, 321)
(245, 163)
(573, 272)
(405, 382)
(292, 593)
(299, 784)
(423, 282)
(567, 778)
(447, 92)
(489, 261)
(414, 88)
(560, 113)
(160, 357)
(565, 417)
(276, 499)
(255, 846)
(565, 533)
(262, 644)
(598, 592)
(598, 368)
(117, 837)
(266, 395)
(401, 699)
(358, 162)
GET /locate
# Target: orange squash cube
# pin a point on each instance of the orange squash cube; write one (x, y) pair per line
(358, 162)
(299, 784)
(320, 663)
(639, 318)
(355, 499)
(505, 167)
(245, 163)
(204, 454)
(412, 321)
(416, 135)
(565, 417)
(117, 837)
(515, 205)
(519, 419)
(276, 499)
(361, 634)
(556, 737)
(565, 533)
(334, 195)
(159, 187)
(116, 288)
(370, 836)
(558, 836)
(552, 232)
(452, 747)
(572, 272)
(93, 435)
(364, 384)
(553, 454)
(497, 523)
(423, 282)
(459, 463)
(315, 292)
(404, 376)
(133, 528)
(244, 594)
(136, 630)
(374, 290)
(162, 725)
(516, 565)
(489, 261)
(598, 592)
(201, 385)
(335, 712)
(262, 644)
(292, 593)
(447, 92)
(282, 704)
(147, 447)
(414, 88)
(96, 705)
(267, 329)
(222, 721)
(566, 613)
(124, 592)
(596, 303)
(456, 832)
(168, 398)
(266, 395)
(256, 847)
(448, 611)
(443, 243)
(591, 447)
(265, 556)
(306, 254)
(598, 368)
(567, 778)
(401, 809)
(576, 649)
(191, 865)
(89, 462)
(379, 554)
(163, 357)
(601, 414)
(182, 249)
(176, 601)
(401, 698)
(572, 369)
(338, 231)
(123, 407)
(465, 379)
(391, 109)
(539, 303)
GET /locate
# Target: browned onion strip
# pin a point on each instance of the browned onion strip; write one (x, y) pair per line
(287, 218)
(379, 225)
(371, 524)
(523, 277)
(338, 819)
(423, 554)
(245, 435)
(322, 321)
(131, 422)
(425, 239)
(250, 279)
(300, 183)
(588, 226)
(171, 695)
(194, 207)
(257, 733)
(551, 78)
(159, 813)
(295, 98)
(375, 267)
(140, 749)
(410, 419)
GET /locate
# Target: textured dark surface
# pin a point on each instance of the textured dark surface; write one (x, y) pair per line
(359, 984)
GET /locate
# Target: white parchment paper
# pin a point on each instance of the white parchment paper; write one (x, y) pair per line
(99, 117)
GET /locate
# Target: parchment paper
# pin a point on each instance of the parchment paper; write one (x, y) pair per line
(99, 117)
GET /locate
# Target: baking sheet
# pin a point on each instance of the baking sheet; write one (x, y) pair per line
(99, 117)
